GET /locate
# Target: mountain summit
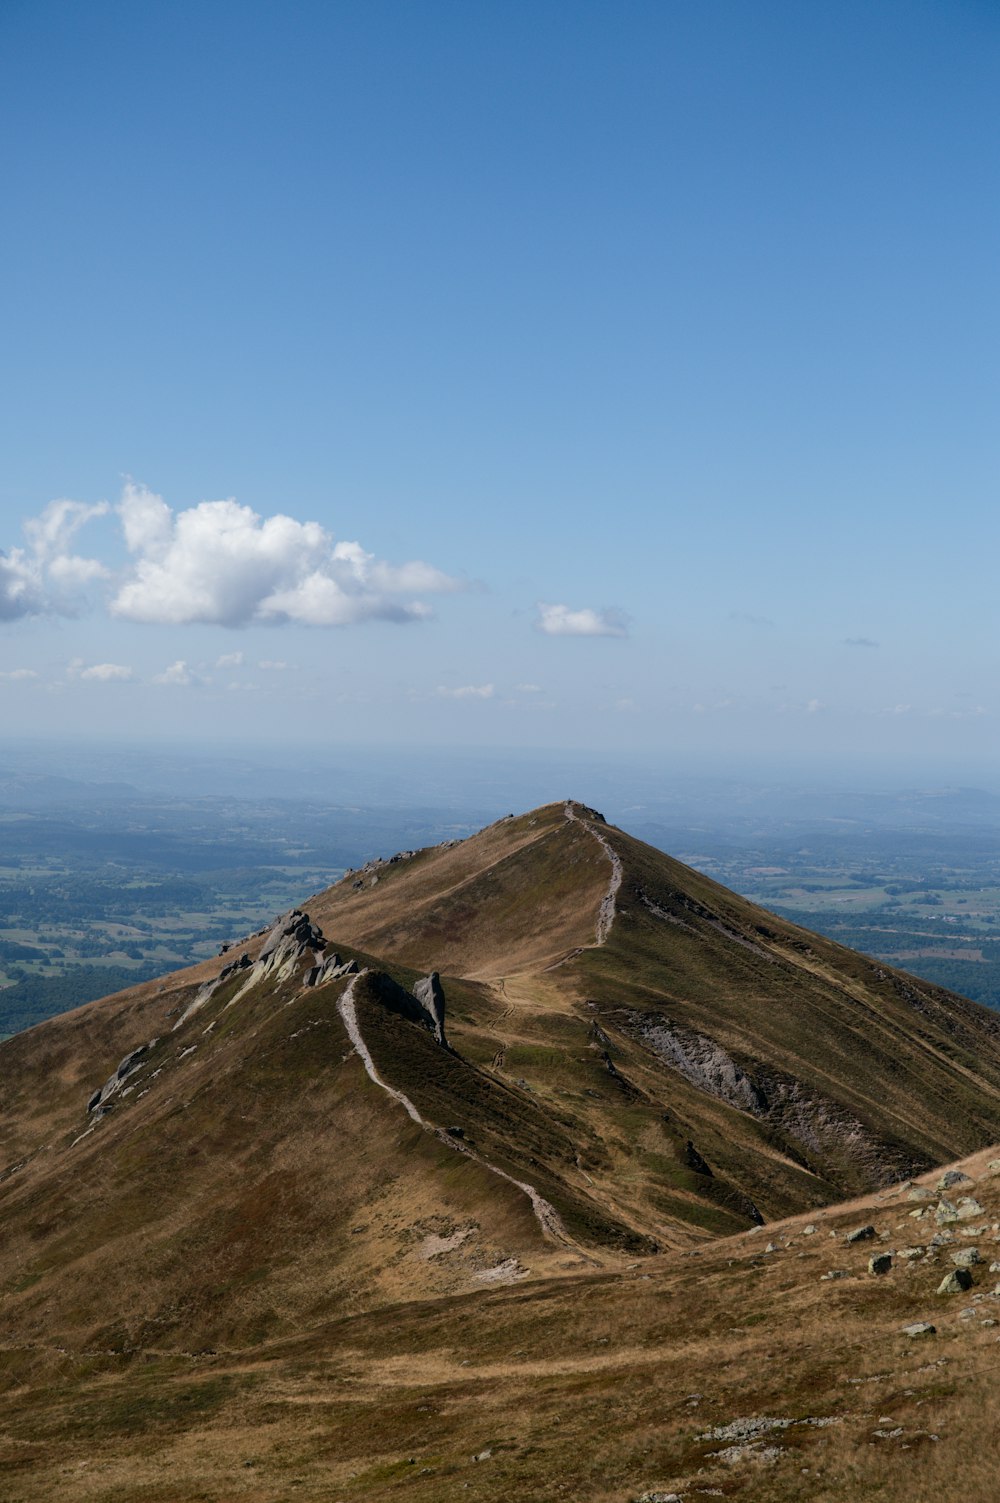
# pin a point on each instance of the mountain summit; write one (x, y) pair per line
(548, 1047)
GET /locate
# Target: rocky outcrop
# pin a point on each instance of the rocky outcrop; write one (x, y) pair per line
(329, 969)
(289, 941)
(424, 1005)
(430, 994)
(128, 1066)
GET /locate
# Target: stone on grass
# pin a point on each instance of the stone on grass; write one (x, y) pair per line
(920, 1328)
(966, 1257)
(968, 1207)
(880, 1263)
(953, 1177)
(860, 1234)
(956, 1282)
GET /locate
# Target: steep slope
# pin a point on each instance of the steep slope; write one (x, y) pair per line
(685, 1023)
(632, 1059)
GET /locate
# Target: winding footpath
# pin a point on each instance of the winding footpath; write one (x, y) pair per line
(545, 1214)
(606, 912)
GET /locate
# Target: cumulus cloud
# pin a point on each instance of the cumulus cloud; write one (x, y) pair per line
(859, 642)
(178, 673)
(105, 673)
(217, 562)
(222, 563)
(48, 575)
(467, 691)
(19, 675)
(528, 688)
(230, 660)
(272, 665)
(560, 621)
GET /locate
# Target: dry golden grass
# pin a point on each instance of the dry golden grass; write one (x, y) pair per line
(260, 1279)
(595, 1387)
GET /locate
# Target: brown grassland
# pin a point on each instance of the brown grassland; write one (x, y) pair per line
(258, 1277)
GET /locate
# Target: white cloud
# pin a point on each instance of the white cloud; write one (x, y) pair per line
(219, 562)
(18, 675)
(813, 706)
(560, 621)
(104, 672)
(467, 691)
(178, 673)
(48, 575)
(528, 688)
(272, 665)
(230, 660)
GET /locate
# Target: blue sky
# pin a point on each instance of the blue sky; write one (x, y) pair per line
(646, 351)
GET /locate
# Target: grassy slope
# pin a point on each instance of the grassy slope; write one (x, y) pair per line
(264, 1187)
(594, 1388)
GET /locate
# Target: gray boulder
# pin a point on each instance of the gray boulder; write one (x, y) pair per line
(966, 1257)
(951, 1178)
(920, 1328)
(860, 1234)
(956, 1282)
(880, 1263)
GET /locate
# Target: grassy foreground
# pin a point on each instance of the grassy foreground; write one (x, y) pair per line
(731, 1371)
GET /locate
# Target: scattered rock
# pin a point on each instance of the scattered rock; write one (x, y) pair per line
(742, 1430)
(956, 1282)
(953, 1177)
(920, 1192)
(968, 1207)
(860, 1234)
(920, 1328)
(880, 1263)
(945, 1212)
(967, 1257)
(908, 1254)
(835, 1273)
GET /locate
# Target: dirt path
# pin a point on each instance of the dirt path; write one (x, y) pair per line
(545, 1214)
(606, 912)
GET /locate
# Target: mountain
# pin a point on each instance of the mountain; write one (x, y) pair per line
(547, 1057)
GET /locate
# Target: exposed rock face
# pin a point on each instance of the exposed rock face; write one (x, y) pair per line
(424, 1005)
(129, 1064)
(430, 994)
(291, 939)
(329, 969)
(956, 1283)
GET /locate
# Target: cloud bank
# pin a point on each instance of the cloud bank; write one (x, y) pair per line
(560, 621)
